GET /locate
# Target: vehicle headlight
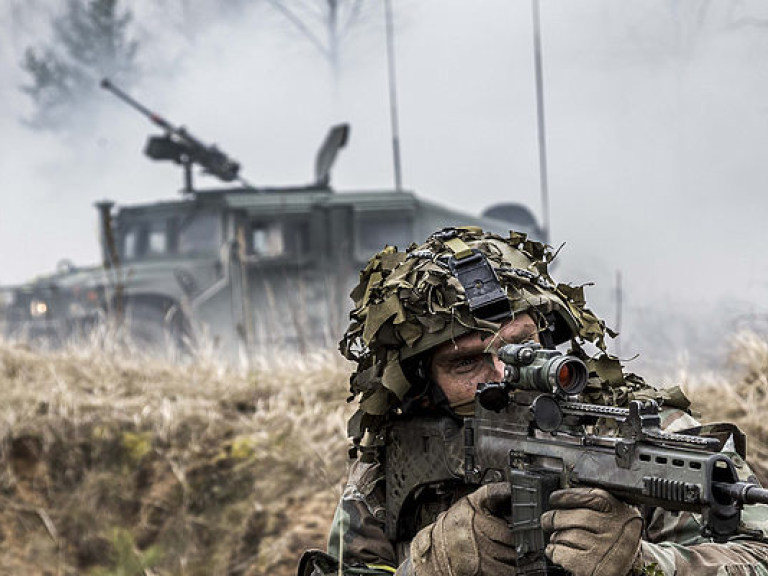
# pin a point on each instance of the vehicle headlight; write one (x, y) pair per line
(38, 308)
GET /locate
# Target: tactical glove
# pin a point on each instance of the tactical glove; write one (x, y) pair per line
(594, 534)
(469, 538)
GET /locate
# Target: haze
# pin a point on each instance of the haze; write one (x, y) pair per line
(657, 125)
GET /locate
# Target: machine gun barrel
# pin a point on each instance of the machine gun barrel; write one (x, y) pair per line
(155, 118)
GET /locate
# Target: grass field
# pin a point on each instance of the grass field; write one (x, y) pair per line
(117, 464)
(110, 463)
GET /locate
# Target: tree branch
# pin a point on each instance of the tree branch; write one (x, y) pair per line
(296, 21)
(749, 22)
(352, 16)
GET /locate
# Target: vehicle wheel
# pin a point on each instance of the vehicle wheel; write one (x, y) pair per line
(151, 330)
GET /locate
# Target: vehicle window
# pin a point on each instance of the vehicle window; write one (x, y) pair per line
(145, 239)
(157, 238)
(200, 234)
(130, 244)
(275, 239)
(268, 239)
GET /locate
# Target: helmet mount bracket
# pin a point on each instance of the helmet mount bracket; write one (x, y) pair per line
(486, 298)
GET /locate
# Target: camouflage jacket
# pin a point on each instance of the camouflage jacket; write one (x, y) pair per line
(672, 543)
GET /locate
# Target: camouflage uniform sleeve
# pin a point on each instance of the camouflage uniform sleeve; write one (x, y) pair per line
(357, 532)
(735, 558)
(674, 544)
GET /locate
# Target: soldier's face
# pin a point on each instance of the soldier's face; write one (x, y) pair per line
(459, 366)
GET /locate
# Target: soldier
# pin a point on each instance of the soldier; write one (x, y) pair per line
(424, 332)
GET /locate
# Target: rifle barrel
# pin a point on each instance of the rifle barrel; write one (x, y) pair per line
(744, 492)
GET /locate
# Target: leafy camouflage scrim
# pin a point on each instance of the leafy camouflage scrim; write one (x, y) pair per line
(409, 302)
(609, 385)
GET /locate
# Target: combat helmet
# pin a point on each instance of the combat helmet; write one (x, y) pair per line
(460, 280)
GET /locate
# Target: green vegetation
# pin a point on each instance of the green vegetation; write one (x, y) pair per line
(128, 560)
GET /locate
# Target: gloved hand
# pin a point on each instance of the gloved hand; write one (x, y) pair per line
(469, 538)
(594, 534)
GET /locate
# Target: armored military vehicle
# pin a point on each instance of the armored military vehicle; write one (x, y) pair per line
(239, 268)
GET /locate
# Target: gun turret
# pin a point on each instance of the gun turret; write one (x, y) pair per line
(180, 146)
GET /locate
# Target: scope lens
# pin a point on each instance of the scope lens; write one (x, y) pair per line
(570, 375)
(565, 376)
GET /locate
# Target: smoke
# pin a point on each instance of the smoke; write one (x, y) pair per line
(657, 126)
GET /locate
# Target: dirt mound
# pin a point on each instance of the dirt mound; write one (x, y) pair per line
(128, 466)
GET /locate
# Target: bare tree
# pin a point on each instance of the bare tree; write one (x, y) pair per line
(324, 23)
(677, 28)
(91, 39)
(188, 18)
(20, 19)
(743, 17)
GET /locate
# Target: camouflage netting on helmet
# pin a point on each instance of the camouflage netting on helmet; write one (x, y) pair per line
(610, 385)
(409, 302)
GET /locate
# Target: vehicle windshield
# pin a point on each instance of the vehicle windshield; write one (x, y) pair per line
(197, 234)
(200, 234)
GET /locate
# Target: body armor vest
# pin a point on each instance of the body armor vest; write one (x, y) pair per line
(424, 460)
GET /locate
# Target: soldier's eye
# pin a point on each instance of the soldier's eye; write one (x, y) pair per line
(464, 365)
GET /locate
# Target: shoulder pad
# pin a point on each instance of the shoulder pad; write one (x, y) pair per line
(317, 563)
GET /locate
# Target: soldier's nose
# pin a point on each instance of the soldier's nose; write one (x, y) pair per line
(498, 368)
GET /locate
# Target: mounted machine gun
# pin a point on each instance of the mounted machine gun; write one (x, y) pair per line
(180, 146)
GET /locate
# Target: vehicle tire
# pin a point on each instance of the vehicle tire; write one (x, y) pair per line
(151, 330)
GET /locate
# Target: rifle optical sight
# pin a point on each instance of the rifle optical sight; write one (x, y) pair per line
(529, 367)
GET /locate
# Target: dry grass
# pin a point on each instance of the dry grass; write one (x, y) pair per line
(738, 393)
(212, 470)
(113, 461)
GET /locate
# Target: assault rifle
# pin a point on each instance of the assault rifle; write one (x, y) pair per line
(180, 146)
(530, 431)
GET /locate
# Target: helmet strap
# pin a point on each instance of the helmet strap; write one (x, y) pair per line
(547, 335)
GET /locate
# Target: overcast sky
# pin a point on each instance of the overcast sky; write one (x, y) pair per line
(657, 124)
